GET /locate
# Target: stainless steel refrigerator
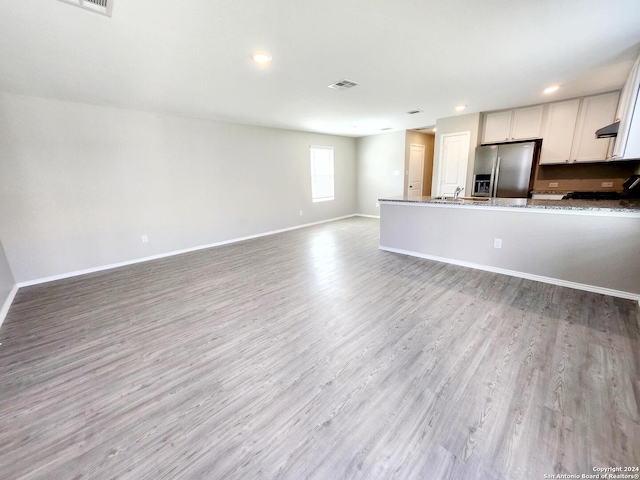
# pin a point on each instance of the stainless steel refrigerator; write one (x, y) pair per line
(504, 170)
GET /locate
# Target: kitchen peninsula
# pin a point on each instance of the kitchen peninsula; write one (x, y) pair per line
(585, 244)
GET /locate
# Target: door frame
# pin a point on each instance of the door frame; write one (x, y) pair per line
(467, 134)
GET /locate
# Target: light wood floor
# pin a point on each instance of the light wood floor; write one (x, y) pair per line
(312, 354)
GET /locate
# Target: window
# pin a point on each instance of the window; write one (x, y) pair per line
(321, 173)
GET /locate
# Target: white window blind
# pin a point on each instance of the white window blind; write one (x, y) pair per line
(321, 173)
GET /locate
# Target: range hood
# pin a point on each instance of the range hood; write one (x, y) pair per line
(609, 131)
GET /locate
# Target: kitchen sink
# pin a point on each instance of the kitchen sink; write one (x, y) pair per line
(459, 199)
(475, 199)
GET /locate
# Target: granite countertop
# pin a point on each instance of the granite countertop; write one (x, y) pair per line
(627, 205)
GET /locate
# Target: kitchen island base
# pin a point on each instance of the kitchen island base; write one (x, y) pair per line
(583, 249)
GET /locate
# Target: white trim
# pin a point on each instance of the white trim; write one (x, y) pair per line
(7, 303)
(368, 216)
(322, 146)
(85, 271)
(328, 195)
(527, 209)
(513, 273)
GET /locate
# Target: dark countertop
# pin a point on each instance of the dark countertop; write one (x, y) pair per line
(596, 206)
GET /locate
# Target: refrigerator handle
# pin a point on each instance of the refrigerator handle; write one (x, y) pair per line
(492, 182)
(496, 178)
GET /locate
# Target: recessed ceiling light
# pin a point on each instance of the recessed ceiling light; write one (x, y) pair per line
(551, 89)
(261, 57)
(460, 108)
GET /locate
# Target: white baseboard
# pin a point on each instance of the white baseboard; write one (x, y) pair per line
(101, 268)
(368, 216)
(514, 273)
(7, 303)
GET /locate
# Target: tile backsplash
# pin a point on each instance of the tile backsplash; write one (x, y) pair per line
(607, 177)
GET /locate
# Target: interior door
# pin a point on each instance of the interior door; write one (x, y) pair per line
(416, 170)
(452, 165)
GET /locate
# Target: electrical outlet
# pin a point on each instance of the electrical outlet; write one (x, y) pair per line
(553, 185)
(377, 204)
(145, 239)
(607, 184)
(497, 243)
(300, 212)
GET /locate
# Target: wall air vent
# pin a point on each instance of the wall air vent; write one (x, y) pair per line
(343, 84)
(413, 112)
(99, 6)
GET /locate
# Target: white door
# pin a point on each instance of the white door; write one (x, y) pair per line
(416, 170)
(452, 162)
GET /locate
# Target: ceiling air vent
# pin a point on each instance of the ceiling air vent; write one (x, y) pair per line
(343, 84)
(413, 112)
(386, 128)
(99, 6)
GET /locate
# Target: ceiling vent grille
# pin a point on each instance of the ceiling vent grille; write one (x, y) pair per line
(413, 112)
(99, 6)
(343, 84)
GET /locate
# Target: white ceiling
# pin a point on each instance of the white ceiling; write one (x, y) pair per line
(193, 57)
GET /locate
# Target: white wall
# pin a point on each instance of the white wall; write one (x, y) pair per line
(80, 184)
(459, 123)
(379, 157)
(7, 281)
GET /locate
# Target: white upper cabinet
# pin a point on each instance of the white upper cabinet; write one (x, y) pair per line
(627, 143)
(497, 127)
(508, 125)
(595, 112)
(527, 123)
(569, 133)
(559, 129)
(567, 128)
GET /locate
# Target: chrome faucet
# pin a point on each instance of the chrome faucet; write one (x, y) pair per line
(457, 192)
